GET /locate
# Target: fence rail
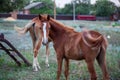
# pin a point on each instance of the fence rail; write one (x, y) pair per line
(58, 17)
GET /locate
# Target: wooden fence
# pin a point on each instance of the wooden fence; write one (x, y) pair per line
(58, 17)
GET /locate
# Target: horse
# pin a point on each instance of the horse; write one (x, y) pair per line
(35, 29)
(69, 44)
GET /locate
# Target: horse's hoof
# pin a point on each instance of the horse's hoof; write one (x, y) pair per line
(35, 70)
(47, 65)
(38, 67)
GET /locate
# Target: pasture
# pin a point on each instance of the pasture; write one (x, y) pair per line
(78, 69)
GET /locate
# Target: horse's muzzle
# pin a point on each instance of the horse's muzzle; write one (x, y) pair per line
(45, 42)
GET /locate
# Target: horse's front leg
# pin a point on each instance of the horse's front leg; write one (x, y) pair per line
(90, 65)
(47, 55)
(66, 66)
(35, 60)
(59, 60)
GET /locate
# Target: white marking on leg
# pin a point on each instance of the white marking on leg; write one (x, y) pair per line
(46, 61)
(44, 33)
(36, 64)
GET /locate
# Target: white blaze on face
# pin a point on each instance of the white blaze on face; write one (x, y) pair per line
(44, 33)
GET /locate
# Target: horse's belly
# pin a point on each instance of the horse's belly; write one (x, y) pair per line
(75, 55)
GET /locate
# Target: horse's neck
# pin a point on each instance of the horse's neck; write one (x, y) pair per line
(57, 29)
(57, 26)
(61, 25)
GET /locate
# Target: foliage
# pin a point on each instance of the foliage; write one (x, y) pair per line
(10, 5)
(49, 2)
(118, 9)
(100, 8)
(43, 10)
(5, 6)
(59, 10)
(104, 8)
(46, 9)
(68, 9)
(81, 7)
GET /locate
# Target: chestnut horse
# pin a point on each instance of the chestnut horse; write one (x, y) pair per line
(69, 44)
(36, 33)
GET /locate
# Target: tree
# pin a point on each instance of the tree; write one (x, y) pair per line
(47, 9)
(104, 8)
(10, 5)
(68, 9)
(5, 6)
(82, 1)
(81, 7)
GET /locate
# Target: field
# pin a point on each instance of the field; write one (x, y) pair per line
(78, 70)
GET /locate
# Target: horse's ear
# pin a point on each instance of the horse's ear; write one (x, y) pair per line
(40, 16)
(48, 17)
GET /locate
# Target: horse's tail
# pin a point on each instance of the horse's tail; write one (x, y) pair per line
(92, 39)
(24, 29)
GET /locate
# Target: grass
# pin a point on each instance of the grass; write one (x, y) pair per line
(78, 69)
(10, 71)
(9, 25)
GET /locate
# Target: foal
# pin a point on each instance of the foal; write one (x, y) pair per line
(35, 29)
(69, 44)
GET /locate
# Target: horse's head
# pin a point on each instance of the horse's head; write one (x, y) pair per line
(45, 28)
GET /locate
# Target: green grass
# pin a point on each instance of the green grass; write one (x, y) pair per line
(78, 69)
(10, 71)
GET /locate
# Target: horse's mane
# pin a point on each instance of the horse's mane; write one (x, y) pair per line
(35, 19)
(67, 28)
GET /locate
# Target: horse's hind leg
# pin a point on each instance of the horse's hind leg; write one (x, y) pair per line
(90, 65)
(102, 63)
(47, 55)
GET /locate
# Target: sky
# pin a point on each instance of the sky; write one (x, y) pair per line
(61, 3)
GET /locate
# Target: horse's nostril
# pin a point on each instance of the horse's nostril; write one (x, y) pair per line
(44, 43)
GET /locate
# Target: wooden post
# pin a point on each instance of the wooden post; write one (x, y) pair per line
(19, 64)
(2, 39)
(54, 9)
